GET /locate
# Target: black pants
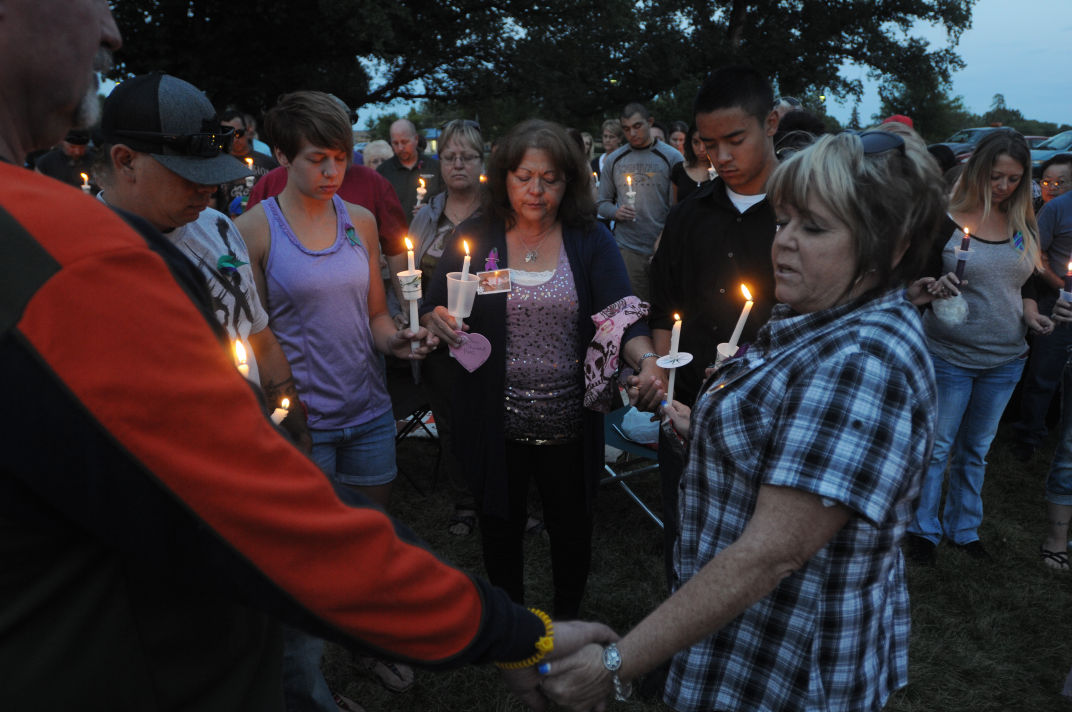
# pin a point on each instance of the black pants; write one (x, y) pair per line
(559, 475)
(671, 465)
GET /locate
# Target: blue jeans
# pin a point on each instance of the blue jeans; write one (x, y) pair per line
(1059, 479)
(1048, 356)
(361, 456)
(304, 686)
(970, 404)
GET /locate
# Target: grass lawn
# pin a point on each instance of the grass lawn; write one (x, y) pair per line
(994, 636)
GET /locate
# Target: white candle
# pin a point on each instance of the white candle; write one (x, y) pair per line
(409, 255)
(240, 358)
(465, 264)
(85, 183)
(249, 179)
(740, 322)
(421, 192)
(675, 336)
(281, 412)
(630, 195)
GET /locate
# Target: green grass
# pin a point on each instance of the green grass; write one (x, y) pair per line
(994, 636)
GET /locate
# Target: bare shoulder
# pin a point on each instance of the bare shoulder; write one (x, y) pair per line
(253, 226)
(360, 215)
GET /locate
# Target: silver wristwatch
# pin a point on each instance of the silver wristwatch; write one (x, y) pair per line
(612, 660)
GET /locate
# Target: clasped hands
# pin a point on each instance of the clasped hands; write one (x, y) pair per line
(575, 677)
(647, 392)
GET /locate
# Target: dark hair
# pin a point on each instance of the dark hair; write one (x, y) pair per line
(891, 200)
(576, 137)
(1057, 159)
(691, 158)
(636, 108)
(662, 127)
(944, 155)
(576, 208)
(735, 86)
(311, 116)
(796, 130)
(677, 126)
(230, 114)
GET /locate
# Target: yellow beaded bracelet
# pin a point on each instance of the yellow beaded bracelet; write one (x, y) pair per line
(544, 645)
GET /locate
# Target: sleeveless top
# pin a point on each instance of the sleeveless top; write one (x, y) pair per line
(318, 304)
(544, 392)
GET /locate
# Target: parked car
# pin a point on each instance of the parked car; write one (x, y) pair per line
(1034, 141)
(1061, 143)
(963, 142)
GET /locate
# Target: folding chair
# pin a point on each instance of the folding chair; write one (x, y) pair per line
(409, 404)
(613, 435)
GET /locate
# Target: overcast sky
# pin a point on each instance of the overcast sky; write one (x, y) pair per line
(1020, 49)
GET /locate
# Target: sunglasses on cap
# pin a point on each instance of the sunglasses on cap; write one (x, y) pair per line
(876, 142)
(200, 145)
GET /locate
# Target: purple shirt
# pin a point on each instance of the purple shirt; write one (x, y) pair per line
(318, 305)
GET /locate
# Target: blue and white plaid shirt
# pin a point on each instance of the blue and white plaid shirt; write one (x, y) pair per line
(839, 403)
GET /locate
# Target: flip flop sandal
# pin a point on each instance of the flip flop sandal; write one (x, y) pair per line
(395, 677)
(1056, 560)
(346, 704)
(463, 522)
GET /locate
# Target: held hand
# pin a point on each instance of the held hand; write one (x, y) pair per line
(680, 416)
(647, 389)
(918, 293)
(570, 636)
(401, 343)
(1038, 324)
(624, 213)
(580, 682)
(401, 320)
(442, 325)
(947, 286)
(1062, 311)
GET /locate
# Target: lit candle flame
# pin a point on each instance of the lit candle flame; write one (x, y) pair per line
(483, 178)
(249, 163)
(409, 245)
(420, 182)
(1070, 267)
(465, 244)
(85, 178)
(747, 294)
(677, 317)
(240, 352)
(285, 403)
(629, 180)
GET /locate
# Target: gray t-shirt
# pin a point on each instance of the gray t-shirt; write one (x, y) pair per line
(650, 170)
(994, 331)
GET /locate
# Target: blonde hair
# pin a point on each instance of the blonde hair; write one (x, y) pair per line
(892, 201)
(972, 190)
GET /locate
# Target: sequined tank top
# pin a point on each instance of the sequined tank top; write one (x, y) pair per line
(544, 377)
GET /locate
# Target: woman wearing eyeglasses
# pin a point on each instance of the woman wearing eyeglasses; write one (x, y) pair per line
(520, 416)
(461, 160)
(977, 361)
(804, 458)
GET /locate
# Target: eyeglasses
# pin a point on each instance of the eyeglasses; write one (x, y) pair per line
(876, 142)
(201, 145)
(238, 133)
(1054, 183)
(450, 158)
(456, 123)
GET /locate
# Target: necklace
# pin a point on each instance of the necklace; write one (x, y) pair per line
(458, 216)
(533, 253)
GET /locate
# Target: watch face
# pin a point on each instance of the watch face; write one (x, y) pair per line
(612, 659)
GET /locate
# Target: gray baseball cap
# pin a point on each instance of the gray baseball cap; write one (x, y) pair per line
(175, 123)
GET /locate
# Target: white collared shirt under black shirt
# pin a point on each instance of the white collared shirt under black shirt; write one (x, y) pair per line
(708, 249)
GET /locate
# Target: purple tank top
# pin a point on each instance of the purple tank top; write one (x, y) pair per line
(318, 305)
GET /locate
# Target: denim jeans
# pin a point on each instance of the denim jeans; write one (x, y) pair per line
(1059, 479)
(361, 456)
(970, 404)
(304, 686)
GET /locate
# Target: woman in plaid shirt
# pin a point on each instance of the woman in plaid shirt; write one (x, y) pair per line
(804, 458)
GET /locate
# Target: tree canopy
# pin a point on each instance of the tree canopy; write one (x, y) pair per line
(572, 60)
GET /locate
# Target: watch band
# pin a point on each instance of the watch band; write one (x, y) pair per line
(612, 661)
(640, 361)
